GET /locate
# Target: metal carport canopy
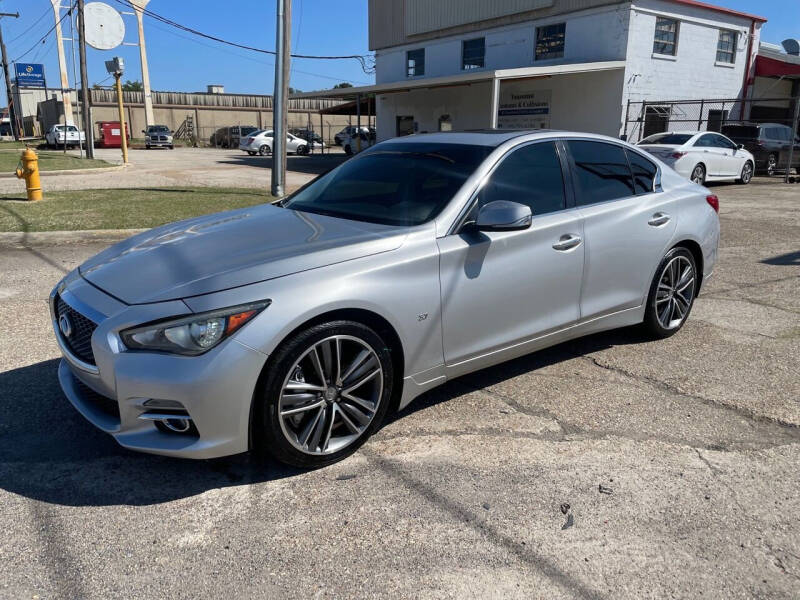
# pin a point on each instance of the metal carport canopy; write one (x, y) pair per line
(465, 79)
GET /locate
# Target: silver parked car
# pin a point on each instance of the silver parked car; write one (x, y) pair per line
(294, 328)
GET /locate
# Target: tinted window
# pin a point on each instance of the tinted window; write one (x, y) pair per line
(722, 142)
(392, 184)
(676, 139)
(601, 170)
(644, 172)
(740, 132)
(529, 175)
(704, 141)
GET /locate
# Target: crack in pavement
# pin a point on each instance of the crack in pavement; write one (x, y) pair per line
(791, 429)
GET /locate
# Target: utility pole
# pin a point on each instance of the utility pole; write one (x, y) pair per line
(86, 109)
(139, 6)
(279, 98)
(62, 66)
(12, 116)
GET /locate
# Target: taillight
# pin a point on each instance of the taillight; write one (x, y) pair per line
(677, 154)
(713, 202)
(249, 140)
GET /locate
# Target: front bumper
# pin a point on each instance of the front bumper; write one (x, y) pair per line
(215, 389)
(158, 143)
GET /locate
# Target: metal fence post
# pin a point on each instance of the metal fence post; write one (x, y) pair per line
(794, 136)
(700, 118)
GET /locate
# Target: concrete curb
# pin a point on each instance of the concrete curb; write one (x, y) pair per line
(27, 239)
(46, 174)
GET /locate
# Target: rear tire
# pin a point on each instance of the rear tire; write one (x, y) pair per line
(251, 153)
(699, 175)
(672, 293)
(348, 150)
(319, 433)
(772, 164)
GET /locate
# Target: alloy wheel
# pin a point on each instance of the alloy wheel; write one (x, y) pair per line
(675, 292)
(699, 175)
(747, 172)
(772, 163)
(331, 395)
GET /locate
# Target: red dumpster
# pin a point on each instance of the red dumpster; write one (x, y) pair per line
(110, 134)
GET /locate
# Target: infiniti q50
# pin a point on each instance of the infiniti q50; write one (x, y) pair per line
(294, 328)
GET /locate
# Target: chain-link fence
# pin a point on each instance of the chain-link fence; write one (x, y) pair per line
(228, 136)
(767, 127)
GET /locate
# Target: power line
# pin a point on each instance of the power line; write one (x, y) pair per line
(250, 58)
(359, 57)
(49, 31)
(35, 23)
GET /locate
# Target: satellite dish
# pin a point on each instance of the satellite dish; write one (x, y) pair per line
(104, 27)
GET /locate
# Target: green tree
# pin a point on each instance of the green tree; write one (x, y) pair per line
(344, 84)
(132, 86)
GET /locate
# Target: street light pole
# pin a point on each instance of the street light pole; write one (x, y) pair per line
(12, 111)
(279, 104)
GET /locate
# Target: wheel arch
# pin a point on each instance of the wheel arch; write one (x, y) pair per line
(367, 317)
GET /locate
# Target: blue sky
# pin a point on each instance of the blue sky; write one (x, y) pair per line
(180, 61)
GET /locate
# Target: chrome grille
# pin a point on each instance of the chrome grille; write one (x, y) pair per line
(80, 342)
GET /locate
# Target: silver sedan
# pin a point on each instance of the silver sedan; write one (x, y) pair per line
(294, 328)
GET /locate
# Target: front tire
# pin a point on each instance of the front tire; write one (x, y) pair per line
(772, 164)
(747, 173)
(699, 175)
(348, 150)
(672, 293)
(325, 392)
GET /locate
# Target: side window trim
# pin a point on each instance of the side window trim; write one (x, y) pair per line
(470, 204)
(574, 168)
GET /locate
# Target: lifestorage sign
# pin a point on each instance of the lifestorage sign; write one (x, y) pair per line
(30, 75)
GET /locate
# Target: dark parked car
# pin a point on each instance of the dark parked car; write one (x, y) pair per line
(769, 143)
(229, 137)
(307, 134)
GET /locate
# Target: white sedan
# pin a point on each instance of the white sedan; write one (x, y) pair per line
(701, 155)
(260, 142)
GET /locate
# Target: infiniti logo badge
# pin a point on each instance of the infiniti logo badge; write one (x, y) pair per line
(65, 325)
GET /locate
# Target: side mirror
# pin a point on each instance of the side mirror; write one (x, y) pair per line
(503, 215)
(143, 131)
(740, 146)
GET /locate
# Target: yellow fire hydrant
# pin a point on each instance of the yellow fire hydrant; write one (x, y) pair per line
(28, 170)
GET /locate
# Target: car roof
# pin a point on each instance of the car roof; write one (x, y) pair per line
(477, 137)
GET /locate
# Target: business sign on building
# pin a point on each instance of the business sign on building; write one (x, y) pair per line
(30, 75)
(522, 107)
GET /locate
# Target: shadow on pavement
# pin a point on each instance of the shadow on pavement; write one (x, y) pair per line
(788, 259)
(52, 454)
(49, 452)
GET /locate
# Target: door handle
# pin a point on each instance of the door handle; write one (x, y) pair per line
(659, 219)
(567, 242)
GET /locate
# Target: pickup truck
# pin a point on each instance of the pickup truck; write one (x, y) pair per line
(55, 136)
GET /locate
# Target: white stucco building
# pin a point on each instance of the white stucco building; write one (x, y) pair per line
(564, 64)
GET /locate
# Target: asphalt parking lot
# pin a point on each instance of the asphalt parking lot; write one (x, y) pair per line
(608, 467)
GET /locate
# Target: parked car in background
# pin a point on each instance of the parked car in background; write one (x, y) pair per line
(158, 136)
(701, 155)
(230, 137)
(308, 135)
(769, 143)
(348, 132)
(294, 328)
(260, 142)
(359, 141)
(59, 136)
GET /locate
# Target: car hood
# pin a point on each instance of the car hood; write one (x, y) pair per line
(231, 249)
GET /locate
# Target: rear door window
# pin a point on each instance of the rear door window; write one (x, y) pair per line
(644, 172)
(601, 172)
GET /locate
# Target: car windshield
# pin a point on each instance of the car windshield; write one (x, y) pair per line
(158, 128)
(393, 184)
(672, 139)
(742, 132)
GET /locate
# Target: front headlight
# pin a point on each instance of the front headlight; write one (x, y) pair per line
(194, 334)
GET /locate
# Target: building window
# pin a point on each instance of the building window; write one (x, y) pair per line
(666, 38)
(550, 41)
(473, 53)
(726, 46)
(415, 62)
